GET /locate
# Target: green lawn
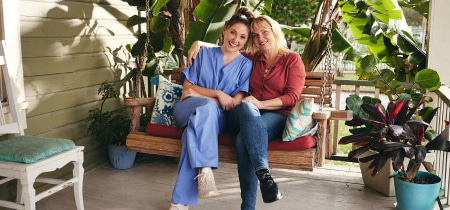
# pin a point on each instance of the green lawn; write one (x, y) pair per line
(347, 76)
(343, 131)
(351, 76)
(342, 149)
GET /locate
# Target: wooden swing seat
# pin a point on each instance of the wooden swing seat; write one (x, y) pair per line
(165, 140)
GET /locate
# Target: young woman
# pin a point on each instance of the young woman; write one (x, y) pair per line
(215, 83)
(275, 86)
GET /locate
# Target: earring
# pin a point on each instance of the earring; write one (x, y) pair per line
(221, 40)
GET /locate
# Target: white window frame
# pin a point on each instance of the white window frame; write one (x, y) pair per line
(10, 32)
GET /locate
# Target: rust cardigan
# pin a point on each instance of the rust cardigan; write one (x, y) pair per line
(285, 80)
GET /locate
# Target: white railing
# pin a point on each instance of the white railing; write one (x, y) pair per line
(442, 163)
(340, 97)
(339, 65)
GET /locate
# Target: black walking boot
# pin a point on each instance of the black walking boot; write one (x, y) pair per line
(269, 188)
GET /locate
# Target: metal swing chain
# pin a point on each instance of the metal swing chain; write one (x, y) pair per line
(328, 62)
(143, 59)
(327, 72)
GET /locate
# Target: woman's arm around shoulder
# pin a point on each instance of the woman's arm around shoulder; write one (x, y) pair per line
(247, 54)
(195, 49)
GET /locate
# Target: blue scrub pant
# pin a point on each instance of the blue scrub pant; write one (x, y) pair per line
(254, 130)
(202, 121)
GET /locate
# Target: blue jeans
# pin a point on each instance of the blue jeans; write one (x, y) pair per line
(254, 130)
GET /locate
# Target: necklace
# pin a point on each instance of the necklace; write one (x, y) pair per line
(272, 62)
(270, 65)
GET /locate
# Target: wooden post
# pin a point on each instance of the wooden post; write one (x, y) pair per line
(136, 105)
(336, 122)
(357, 89)
(321, 145)
(328, 141)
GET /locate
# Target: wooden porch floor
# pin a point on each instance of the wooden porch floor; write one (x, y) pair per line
(149, 185)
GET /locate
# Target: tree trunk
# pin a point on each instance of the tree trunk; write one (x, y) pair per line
(177, 29)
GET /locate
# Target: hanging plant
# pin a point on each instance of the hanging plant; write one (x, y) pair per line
(152, 60)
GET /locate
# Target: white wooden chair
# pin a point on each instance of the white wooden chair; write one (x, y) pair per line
(26, 174)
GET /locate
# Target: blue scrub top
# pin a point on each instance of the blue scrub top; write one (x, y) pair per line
(208, 71)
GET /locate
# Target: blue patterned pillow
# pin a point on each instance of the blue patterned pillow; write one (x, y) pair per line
(166, 96)
(29, 149)
(299, 122)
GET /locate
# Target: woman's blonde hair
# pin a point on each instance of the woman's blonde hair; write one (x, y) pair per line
(264, 21)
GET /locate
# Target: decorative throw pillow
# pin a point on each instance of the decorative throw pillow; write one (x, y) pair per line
(299, 122)
(166, 96)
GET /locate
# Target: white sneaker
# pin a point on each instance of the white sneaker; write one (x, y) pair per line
(177, 206)
(206, 184)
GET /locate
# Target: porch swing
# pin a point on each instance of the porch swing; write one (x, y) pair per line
(165, 140)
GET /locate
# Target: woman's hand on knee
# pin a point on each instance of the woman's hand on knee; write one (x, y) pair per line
(253, 100)
(188, 92)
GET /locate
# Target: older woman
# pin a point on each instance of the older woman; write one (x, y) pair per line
(276, 83)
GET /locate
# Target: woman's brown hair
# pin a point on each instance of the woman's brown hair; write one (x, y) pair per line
(243, 15)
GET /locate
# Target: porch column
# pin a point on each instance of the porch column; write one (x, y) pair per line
(438, 39)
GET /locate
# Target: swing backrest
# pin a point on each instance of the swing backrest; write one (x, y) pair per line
(312, 88)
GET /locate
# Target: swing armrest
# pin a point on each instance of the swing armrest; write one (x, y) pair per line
(322, 118)
(136, 105)
(324, 141)
(344, 115)
(321, 115)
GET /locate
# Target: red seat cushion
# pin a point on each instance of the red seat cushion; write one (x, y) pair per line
(163, 130)
(302, 143)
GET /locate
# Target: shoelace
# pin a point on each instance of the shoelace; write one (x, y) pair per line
(201, 178)
(265, 177)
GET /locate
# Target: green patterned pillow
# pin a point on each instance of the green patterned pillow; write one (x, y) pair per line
(29, 149)
(299, 122)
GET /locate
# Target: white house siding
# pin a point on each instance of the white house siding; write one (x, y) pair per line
(438, 44)
(69, 47)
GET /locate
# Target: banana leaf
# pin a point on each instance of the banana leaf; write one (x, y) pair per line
(259, 6)
(212, 15)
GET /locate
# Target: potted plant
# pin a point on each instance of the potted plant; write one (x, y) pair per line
(397, 133)
(378, 28)
(111, 128)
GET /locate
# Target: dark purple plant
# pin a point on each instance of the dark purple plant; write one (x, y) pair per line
(396, 135)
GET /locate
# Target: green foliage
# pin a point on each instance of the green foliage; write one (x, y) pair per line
(302, 31)
(145, 118)
(420, 6)
(428, 78)
(211, 15)
(258, 6)
(294, 13)
(110, 127)
(160, 44)
(315, 48)
(368, 22)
